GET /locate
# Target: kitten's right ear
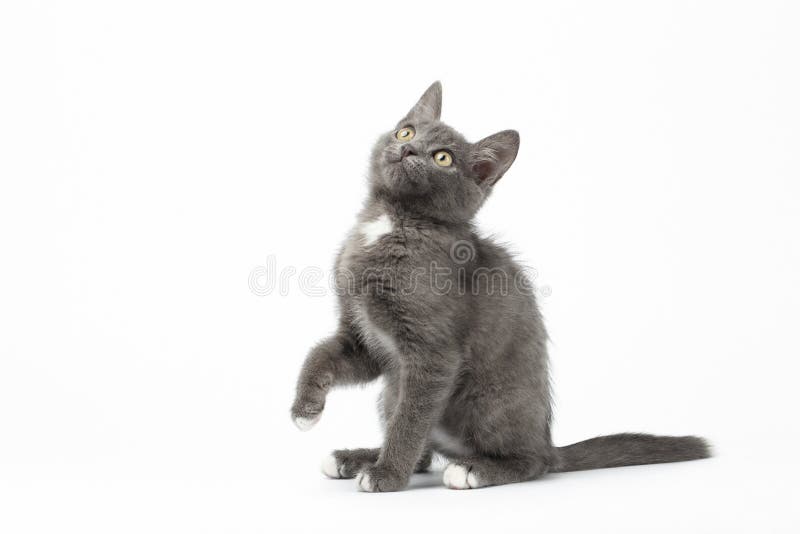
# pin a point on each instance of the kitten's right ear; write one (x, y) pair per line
(429, 106)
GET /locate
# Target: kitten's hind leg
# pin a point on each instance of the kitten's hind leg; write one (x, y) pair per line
(479, 471)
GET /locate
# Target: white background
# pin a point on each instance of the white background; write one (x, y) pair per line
(154, 154)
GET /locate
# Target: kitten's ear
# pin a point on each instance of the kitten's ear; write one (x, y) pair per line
(429, 106)
(491, 157)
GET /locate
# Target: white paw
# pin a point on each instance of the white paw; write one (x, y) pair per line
(305, 423)
(330, 468)
(459, 477)
(364, 483)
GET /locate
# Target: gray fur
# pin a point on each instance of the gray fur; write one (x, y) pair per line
(459, 342)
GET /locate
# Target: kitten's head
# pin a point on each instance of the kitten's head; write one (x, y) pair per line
(429, 169)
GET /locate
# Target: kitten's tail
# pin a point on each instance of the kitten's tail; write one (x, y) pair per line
(618, 450)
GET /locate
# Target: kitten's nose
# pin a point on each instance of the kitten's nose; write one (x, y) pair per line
(407, 150)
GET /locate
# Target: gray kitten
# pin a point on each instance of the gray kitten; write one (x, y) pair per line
(449, 321)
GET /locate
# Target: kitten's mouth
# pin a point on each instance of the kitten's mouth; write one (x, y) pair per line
(396, 166)
(406, 175)
(397, 171)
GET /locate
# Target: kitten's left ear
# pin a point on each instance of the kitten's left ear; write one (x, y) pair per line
(491, 157)
(429, 106)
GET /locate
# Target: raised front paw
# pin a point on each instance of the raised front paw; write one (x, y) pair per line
(308, 406)
(379, 478)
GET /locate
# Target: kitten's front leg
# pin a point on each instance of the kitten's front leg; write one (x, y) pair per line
(337, 360)
(425, 388)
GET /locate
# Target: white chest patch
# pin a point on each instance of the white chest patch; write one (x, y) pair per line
(374, 230)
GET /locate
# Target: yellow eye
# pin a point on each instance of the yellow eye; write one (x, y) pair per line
(405, 134)
(443, 159)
